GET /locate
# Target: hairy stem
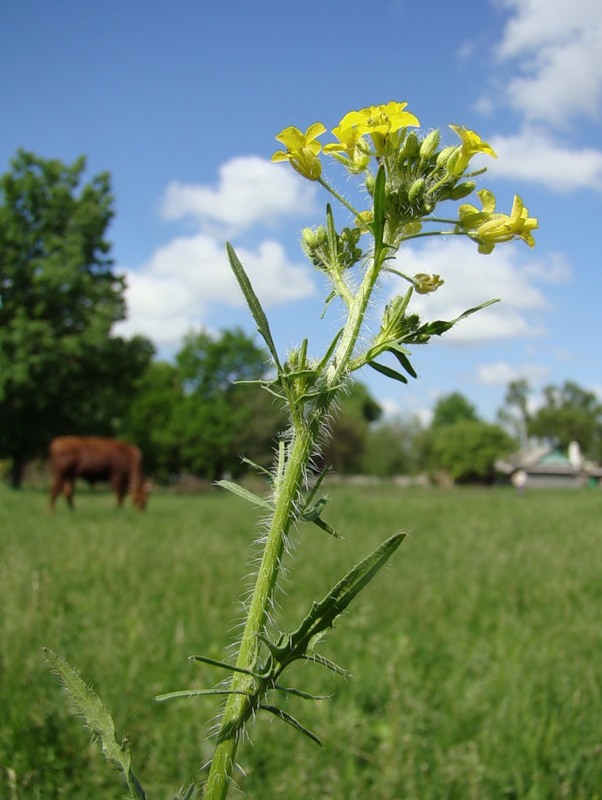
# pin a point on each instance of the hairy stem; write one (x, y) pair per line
(240, 705)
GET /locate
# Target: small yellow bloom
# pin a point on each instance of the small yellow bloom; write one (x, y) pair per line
(354, 147)
(491, 228)
(379, 122)
(424, 284)
(302, 150)
(503, 228)
(471, 145)
(470, 216)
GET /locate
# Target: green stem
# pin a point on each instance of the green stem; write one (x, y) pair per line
(240, 707)
(339, 197)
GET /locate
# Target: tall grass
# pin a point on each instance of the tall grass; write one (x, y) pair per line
(477, 655)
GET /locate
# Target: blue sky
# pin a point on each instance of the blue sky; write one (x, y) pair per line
(181, 101)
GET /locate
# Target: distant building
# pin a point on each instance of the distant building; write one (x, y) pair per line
(543, 466)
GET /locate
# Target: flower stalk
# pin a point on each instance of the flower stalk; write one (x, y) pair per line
(405, 176)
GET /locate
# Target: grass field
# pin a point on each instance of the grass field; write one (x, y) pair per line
(477, 654)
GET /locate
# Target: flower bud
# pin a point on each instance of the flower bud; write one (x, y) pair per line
(429, 144)
(462, 190)
(309, 238)
(415, 190)
(370, 184)
(424, 283)
(410, 146)
(444, 155)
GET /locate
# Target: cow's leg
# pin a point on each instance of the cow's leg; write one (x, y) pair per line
(56, 489)
(68, 489)
(120, 489)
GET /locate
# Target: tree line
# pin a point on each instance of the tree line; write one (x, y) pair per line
(63, 371)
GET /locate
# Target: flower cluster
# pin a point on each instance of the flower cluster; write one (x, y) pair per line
(419, 175)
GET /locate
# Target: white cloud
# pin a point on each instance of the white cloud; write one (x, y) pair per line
(533, 155)
(500, 373)
(471, 279)
(250, 190)
(557, 46)
(189, 277)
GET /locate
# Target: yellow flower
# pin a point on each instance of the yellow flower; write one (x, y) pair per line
(424, 283)
(470, 216)
(490, 228)
(379, 122)
(351, 143)
(302, 150)
(502, 228)
(471, 145)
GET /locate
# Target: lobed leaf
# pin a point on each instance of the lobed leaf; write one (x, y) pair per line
(97, 718)
(323, 614)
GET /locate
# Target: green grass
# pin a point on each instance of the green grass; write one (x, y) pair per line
(477, 654)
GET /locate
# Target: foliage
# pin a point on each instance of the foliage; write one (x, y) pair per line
(450, 695)
(344, 451)
(468, 450)
(453, 408)
(206, 411)
(60, 369)
(570, 413)
(394, 448)
(405, 178)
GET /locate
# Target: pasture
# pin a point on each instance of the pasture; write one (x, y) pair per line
(476, 654)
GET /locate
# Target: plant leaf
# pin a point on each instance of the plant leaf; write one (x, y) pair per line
(253, 302)
(244, 493)
(390, 373)
(378, 225)
(278, 712)
(323, 614)
(97, 718)
(160, 698)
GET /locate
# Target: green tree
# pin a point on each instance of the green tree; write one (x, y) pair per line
(394, 448)
(150, 418)
(467, 450)
(219, 420)
(452, 408)
(515, 412)
(60, 369)
(570, 413)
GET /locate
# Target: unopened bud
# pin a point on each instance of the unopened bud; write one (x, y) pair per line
(415, 190)
(462, 190)
(309, 238)
(444, 155)
(410, 146)
(429, 144)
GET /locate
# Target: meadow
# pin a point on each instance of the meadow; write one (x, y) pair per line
(476, 654)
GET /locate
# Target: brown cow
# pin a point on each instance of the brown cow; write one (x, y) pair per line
(95, 459)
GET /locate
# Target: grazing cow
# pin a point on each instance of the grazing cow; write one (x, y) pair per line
(95, 459)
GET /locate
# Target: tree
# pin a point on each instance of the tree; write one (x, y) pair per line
(394, 448)
(515, 412)
(452, 408)
(570, 413)
(60, 369)
(150, 418)
(216, 418)
(467, 450)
